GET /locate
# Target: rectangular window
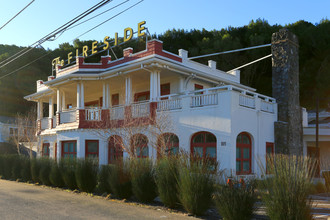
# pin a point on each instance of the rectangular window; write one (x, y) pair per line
(45, 150)
(69, 149)
(165, 89)
(198, 87)
(92, 149)
(115, 99)
(141, 96)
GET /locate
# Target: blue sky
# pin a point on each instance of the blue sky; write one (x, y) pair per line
(44, 16)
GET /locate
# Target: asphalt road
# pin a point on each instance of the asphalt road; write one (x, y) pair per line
(26, 201)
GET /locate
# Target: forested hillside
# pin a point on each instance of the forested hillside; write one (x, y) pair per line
(314, 58)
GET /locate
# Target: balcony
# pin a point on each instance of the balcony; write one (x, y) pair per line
(218, 97)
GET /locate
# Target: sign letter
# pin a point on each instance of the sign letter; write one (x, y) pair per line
(85, 49)
(106, 43)
(141, 28)
(128, 37)
(94, 46)
(69, 57)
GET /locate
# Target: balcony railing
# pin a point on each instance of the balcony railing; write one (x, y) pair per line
(44, 123)
(247, 101)
(68, 116)
(117, 113)
(204, 100)
(140, 109)
(169, 104)
(267, 106)
(93, 114)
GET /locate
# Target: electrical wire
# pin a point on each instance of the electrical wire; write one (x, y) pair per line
(53, 34)
(17, 14)
(1, 77)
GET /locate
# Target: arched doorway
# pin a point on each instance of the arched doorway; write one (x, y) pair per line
(115, 149)
(204, 144)
(243, 154)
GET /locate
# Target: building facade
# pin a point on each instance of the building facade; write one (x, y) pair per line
(211, 112)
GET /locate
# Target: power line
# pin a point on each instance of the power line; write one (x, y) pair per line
(17, 14)
(1, 77)
(262, 58)
(53, 34)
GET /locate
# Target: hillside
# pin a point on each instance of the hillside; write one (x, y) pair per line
(314, 42)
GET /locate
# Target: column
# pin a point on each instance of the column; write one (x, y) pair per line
(63, 101)
(104, 97)
(128, 91)
(108, 99)
(59, 107)
(78, 96)
(51, 109)
(154, 85)
(82, 97)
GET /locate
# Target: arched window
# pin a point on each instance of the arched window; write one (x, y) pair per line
(204, 144)
(243, 153)
(139, 145)
(115, 150)
(168, 144)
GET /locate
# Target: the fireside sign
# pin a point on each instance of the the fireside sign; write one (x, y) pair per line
(128, 34)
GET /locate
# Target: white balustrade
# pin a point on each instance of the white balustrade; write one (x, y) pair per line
(141, 109)
(247, 101)
(93, 114)
(204, 100)
(54, 121)
(169, 104)
(68, 116)
(44, 123)
(267, 106)
(117, 113)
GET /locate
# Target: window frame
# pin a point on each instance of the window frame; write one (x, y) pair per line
(241, 159)
(89, 153)
(204, 145)
(140, 147)
(139, 94)
(115, 97)
(62, 148)
(42, 152)
(269, 145)
(167, 147)
(117, 154)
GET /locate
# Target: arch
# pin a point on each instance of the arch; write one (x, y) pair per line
(204, 144)
(139, 145)
(167, 144)
(115, 149)
(243, 153)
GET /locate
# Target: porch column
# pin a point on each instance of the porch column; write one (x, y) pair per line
(108, 101)
(40, 110)
(154, 85)
(51, 109)
(82, 97)
(59, 106)
(128, 91)
(78, 95)
(104, 97)
(63, 101)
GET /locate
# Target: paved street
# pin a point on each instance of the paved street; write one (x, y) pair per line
(26, 201)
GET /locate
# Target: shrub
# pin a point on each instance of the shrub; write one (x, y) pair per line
(26, 169)
(16, 167)
(120, 180)
(195, 185)
(103, 177)
(166, 177)
(288, 189)
(326, 175)
(86, 174)
(55, 175)
(67, 167)
(143, 182)
(45, 168)
(8, 162)
(35, 170)
(236, 201)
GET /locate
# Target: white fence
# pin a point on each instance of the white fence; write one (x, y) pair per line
(68, 116)
(204, 100)
(93, 114)
(267, 106)
(169, 104)
(247, 101)
(117, 113)
(141, 109)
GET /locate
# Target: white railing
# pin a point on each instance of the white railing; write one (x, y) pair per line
(68, 116)
(117, 113)
(267, 106)
(204, 100)
(141, 109)
(169, 104)
(247, 101)
(54, 121)
(44, 123)
(93, 114)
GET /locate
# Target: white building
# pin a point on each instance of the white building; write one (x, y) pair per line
(213, 113)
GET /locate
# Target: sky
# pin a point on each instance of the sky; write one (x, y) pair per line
(44, 16)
